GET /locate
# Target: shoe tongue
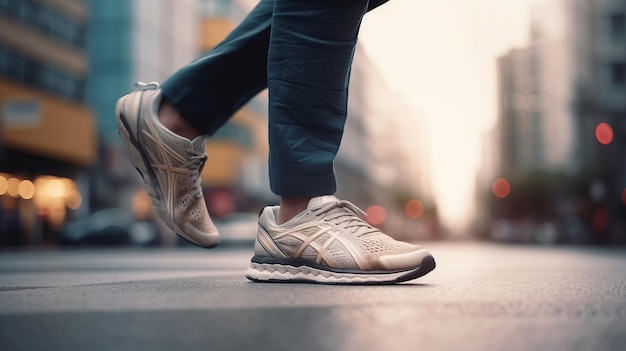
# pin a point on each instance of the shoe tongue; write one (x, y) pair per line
(317, 201)
(199, 144)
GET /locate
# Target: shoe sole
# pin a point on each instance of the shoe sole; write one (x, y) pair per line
(140, 161)
(285, 273)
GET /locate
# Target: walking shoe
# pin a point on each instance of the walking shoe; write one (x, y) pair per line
(330, 243)
(169, 164)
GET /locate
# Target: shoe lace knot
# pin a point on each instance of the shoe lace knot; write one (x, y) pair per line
(197, 159)
(346, 214)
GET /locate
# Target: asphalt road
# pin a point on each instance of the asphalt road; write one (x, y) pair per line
(480, 297)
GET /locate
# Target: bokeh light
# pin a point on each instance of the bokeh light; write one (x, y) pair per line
(26, 189)
(604, 133)
(13, 187)
(4, 185)
(414, 209)
(56, 188)
(600, 219)
(74, 200)
(501, 188)
(142, 208)
(376, 215)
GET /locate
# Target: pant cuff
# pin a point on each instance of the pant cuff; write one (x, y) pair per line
(303, 186)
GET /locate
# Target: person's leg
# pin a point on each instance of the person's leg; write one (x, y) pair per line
(313, 236)
(200, 97)
(311, 49)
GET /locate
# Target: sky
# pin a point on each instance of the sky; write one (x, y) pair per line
(441, 56)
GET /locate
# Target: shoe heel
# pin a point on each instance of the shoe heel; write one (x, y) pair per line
(122, 127)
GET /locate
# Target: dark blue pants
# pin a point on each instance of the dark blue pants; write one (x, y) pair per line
(302, 51)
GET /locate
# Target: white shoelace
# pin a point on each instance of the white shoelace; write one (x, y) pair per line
(346, 214)
(197, 159)
(196, 163)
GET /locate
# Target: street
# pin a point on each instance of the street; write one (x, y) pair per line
(480, 297)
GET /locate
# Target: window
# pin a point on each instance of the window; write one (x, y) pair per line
(46, 20)
(618, 74)
(48, 78)
(59, 26)
(618, 25)
(5, 6)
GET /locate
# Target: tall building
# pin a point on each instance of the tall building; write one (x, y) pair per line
(537, 128)
(554, 92)
(47, 132)
(580, 46)
(600, 110)
(563, 108)
(599, 39)
(139, 40)
(522, 126)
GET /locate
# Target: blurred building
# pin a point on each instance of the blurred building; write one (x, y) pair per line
(47, 132)
(555, 91)
(600, 110)
(524, 132)
(130, 41)
(562, 110)
(383, 159)
(534, 111)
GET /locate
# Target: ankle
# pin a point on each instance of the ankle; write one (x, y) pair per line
(291, 207)
(171, 119)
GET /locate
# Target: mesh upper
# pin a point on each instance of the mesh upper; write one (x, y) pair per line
(350, 249)
(188, 200)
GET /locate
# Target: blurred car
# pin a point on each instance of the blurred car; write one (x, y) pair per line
(238, 228)
(109, 227)
(525, 231)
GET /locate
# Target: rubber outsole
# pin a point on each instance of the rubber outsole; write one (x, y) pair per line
(277, 273)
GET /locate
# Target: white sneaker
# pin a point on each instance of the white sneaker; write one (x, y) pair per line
(330, 243)
(169, 164)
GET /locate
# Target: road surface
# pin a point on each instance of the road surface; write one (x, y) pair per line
(480, 297)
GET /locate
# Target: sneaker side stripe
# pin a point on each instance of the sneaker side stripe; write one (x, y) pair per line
(309, 241)
(133, 140)
(167, 167)
(151, 173)
(322, 253)
(355, 253)
(154, 136)
(266, 241)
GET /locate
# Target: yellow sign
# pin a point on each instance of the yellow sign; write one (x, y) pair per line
(44, 125)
